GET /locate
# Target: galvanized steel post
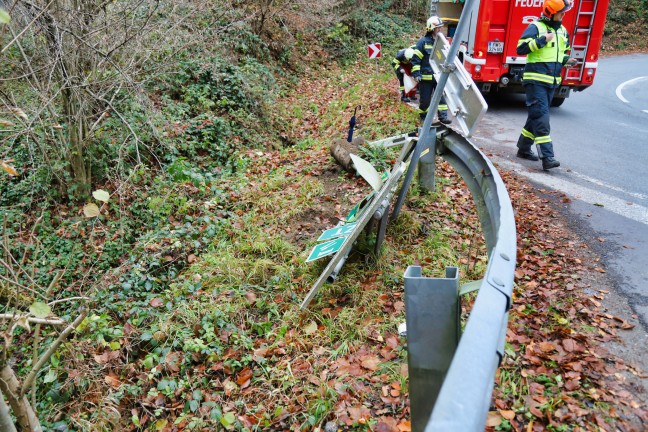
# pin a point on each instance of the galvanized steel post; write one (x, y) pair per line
(432, 312)
(426, 163)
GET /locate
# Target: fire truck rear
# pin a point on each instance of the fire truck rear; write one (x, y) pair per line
(488, 48)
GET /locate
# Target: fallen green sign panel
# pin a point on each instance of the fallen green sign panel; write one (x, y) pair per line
(325, 249)
(338, 231)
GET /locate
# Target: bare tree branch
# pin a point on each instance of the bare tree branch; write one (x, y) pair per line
(34, 320)
(6, 422)
(51, 350)
(11, 42)
(17, 284)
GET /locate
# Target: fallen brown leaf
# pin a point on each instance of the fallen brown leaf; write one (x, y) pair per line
(113, 380)
(493, 419)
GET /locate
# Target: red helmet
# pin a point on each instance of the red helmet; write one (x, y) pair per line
(551, 7)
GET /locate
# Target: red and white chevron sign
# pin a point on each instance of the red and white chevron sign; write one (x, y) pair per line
(374, 50)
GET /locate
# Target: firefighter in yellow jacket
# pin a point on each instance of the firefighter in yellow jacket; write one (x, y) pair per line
(545, 43)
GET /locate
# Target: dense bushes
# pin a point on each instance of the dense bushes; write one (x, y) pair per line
(345, 39)
(624, 12)
(208, 104)
(626, 26)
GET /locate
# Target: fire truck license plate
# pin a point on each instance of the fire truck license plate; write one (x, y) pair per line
(496, 47)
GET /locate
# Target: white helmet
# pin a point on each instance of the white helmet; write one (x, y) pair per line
(409, 53)
(433, 22)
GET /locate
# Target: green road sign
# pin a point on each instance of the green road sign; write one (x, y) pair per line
(325, 249)
(338, 231)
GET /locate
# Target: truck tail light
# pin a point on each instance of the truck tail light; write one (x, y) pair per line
(478, 68)
(590, 75)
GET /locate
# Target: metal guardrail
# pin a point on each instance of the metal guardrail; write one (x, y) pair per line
(464, 398)
(465, 375)
(451, 374)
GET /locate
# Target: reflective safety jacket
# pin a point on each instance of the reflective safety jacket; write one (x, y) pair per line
(544, 59)
(421, 59)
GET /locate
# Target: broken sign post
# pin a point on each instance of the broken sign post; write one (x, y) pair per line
(352, 124)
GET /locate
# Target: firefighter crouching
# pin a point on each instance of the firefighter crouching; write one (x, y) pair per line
(545, 43)
(402, 65)
(422, 70)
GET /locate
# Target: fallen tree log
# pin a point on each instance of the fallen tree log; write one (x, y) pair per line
(341, 151)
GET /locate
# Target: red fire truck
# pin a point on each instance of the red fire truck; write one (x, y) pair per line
(488, 48)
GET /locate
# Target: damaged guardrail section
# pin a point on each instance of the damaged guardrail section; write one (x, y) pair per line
(463, 401)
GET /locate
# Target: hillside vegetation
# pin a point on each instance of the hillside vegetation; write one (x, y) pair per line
(165, 173)
(626, 28)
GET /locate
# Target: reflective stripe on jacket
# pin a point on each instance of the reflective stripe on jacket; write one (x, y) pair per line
(399, 59)
(544, 59)
(421, 59)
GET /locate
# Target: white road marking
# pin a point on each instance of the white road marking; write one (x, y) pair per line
(608, 186)
(621, 207)
(619, 89)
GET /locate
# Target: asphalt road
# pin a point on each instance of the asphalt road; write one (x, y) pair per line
(601, 139)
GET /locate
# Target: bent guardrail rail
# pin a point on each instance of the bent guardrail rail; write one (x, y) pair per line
(463, 400)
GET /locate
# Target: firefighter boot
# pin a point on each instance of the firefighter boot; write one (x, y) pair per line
(404, 97)
(549, 162)
(527, 155)
(443, 117)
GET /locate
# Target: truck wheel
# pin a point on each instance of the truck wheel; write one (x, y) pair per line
(557, 101)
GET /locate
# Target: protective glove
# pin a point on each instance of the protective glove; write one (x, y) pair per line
(571, 62)
(401, 70)
(418, 78)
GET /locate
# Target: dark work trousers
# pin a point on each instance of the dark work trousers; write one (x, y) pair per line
(426, 90)
(536, 129)
(400, 76)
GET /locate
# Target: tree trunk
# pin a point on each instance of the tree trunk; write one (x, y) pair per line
(73, 61)
(77, 135)
(6, 423)
(22, 409)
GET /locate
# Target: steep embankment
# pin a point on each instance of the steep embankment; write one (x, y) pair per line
(194, 321)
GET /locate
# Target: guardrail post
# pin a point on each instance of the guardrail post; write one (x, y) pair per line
(432, 313)
(427, 164)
